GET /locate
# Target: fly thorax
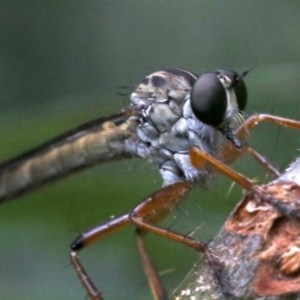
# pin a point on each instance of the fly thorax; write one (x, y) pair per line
(167, 128)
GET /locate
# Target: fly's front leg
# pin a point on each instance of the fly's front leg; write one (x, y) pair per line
(230, 153)
(151, 210)
(254, 120)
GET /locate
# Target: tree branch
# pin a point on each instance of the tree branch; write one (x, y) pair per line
(257, 250)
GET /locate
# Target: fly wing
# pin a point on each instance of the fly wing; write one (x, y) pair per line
(97, 141)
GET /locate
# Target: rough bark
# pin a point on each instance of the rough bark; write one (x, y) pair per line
(257, 249)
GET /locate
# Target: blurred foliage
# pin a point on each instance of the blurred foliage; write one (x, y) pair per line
(62, 63)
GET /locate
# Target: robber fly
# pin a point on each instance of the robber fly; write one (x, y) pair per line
(187, 125)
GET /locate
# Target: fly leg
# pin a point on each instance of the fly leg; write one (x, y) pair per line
(254, 120)
(144, 215)
(149, 211)
(230, 153)
(87, 238)
(157, 287)
(261, 160)
(197, 157)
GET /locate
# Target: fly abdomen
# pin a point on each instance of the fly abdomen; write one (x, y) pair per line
(104, 142)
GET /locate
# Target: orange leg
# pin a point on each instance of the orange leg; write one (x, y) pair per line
(155, 283)
(89, 238)
(196, 154)
(243, 131)
(151, 210)
(230, 153)
(261, 160)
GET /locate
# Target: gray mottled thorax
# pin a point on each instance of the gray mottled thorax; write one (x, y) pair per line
(167, 128)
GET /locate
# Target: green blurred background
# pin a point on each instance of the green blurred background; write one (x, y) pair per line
(62, 63)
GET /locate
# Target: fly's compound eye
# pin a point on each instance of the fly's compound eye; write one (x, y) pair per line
(208, 99)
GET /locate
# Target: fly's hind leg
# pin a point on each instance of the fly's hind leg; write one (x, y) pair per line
(148, 212)
(164, 201)
(156, 285)
(87, 238)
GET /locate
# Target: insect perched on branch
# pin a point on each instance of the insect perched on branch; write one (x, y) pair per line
(191, 127)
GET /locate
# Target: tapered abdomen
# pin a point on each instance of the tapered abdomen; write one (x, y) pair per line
(97, 141)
